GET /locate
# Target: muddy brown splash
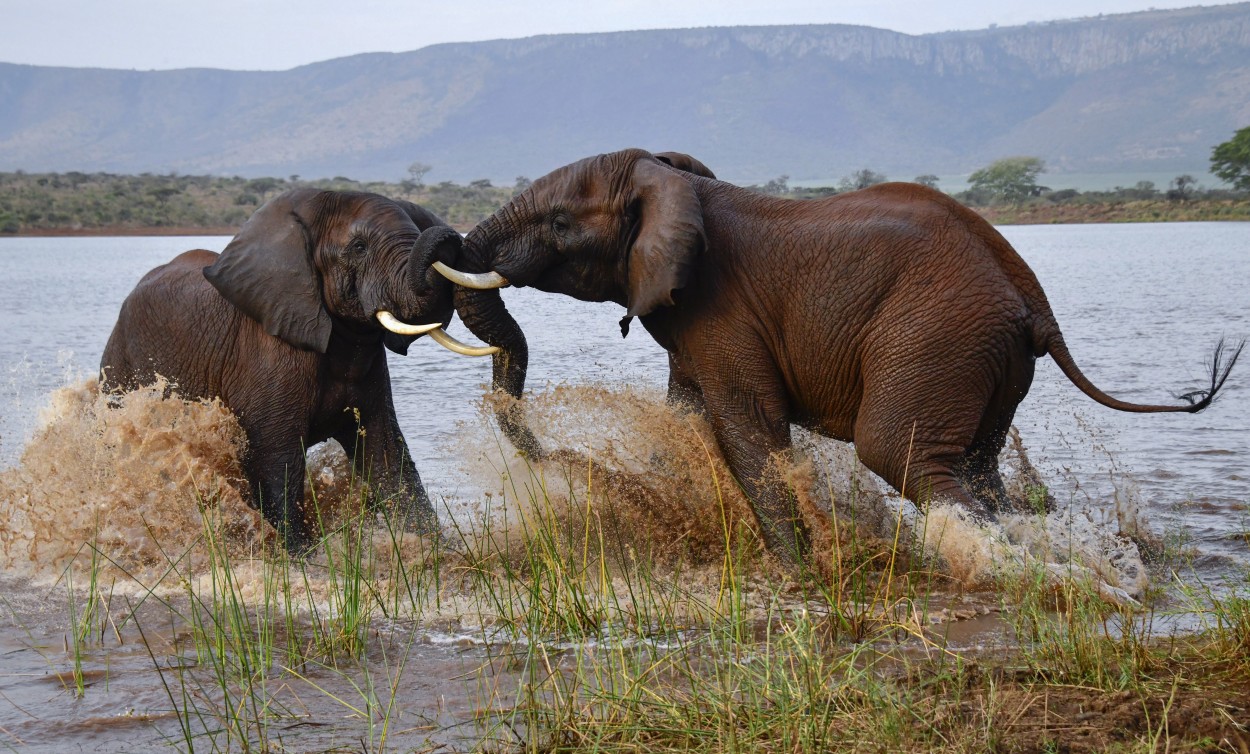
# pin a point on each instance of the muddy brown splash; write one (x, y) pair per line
(653, 475)
(133, 476)
(143, 478)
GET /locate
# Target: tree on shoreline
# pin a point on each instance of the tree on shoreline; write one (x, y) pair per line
(861, 179)
(1010, 180)
(417, 171)
(1231, 160)
(1182, 187)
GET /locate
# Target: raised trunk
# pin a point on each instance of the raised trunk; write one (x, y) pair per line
(409, 293)
(484, 313)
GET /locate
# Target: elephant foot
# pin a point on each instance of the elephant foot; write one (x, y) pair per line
(423, 524)
(515, 429)
(414, 513)
(788, 541)
(295, 535)
(298, 544)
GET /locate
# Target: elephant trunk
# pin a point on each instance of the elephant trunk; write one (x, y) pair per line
(417, 264)
(484, 313)
(439, 243)
(412, 294)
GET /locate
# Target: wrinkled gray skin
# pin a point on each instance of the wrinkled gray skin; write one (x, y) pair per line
(281, 326)
(486, 316)
(892, 317)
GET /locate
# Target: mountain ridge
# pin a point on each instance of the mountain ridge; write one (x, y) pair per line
(1146, 91)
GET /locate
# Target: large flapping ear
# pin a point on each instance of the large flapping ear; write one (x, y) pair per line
(669, 238)
(267, 272)
(683, 161)
(422, 217)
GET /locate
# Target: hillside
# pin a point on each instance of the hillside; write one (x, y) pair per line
(1151, 91)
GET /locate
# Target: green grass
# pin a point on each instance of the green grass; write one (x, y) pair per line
(589, 643)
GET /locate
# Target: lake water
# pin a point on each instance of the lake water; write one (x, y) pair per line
(1141, 307)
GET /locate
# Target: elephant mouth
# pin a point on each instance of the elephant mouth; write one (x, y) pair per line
(536, 275)
(435, 331)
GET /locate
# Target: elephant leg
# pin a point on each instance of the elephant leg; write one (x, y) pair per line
(935, 412)
(915, 436)
(978, 472)
(927, 474)
(683, 389)
(381, 457)
(277, 480)
(750, 417)
(979, 468)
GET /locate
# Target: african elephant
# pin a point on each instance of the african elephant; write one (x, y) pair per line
(484, 313)
(892, 317)
(287, 326)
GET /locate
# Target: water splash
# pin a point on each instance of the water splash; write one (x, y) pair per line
(663, 483)
(137, 476)
(130, 474)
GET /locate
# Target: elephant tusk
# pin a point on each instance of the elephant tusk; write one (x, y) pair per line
(441, 337)
(480, 281)
(390, 322)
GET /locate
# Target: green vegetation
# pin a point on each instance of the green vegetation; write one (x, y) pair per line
(1006, 192)
(103, 202)
(1010, 180)
(861, 179)
(1231, 160)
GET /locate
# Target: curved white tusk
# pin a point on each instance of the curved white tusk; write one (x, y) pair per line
(389, 321)
(480, 281)
(441, 337)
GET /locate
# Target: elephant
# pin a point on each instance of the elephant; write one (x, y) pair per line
(482, 310)
(892, 317)
(288, 326)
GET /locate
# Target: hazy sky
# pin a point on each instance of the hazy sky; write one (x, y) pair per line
(274, 34)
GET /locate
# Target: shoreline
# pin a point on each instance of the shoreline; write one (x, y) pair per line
(123, 231)
(1146, 211)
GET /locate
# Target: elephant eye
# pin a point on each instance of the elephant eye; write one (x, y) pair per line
(560, 225)
(357, 246)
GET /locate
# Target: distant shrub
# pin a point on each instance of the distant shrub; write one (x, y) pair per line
(33, 202)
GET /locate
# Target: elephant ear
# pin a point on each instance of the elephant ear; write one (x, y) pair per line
(421, 217)
(670, 237)
(683, 161)
(267, 273)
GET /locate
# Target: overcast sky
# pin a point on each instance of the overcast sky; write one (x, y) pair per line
(275, 35)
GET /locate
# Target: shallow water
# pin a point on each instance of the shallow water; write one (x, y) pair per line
(1140, 305)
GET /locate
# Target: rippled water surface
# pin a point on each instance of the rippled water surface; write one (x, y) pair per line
(1141, 307)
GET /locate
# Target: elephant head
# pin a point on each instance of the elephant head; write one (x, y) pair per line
(310, 262)
(624, 227)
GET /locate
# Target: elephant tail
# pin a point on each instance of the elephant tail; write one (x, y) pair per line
(1195, 400)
